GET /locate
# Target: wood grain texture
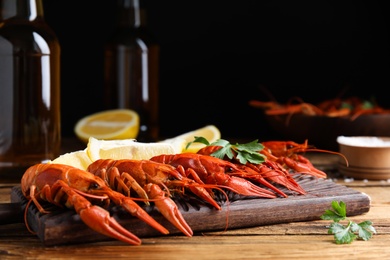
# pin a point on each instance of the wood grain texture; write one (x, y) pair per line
(294, 240)
(65, 227)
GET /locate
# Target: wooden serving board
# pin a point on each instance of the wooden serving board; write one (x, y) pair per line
(63, 226)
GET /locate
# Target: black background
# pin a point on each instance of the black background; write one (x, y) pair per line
(217, 55)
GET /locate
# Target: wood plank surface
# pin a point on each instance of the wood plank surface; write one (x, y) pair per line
(65, 227)
(295, 240)
(291, 240)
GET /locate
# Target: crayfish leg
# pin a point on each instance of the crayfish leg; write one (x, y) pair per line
(44, 193)
(131, 182)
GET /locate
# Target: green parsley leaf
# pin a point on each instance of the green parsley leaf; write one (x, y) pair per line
(331, 215)
(224, 151)
(364, 229)
(198, 139)
(346, 234)
(249, 152)
(342, 234)
(367, 104)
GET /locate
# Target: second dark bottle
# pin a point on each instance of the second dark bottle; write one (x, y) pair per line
(131, 69)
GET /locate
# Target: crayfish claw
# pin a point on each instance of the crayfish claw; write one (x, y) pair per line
(135, 210)
(244, 187)
(168, 209)
(99, 220)
(303, 165)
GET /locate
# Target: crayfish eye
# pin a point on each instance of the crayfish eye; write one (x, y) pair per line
(289, 146)
(94, 186)
(229, 169)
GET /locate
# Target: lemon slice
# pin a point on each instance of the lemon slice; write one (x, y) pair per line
(78, 159)
(178, 143)
(126, 149)
(210, 132)
(108, 125)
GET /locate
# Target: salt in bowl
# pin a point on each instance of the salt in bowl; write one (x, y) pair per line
(368, 157)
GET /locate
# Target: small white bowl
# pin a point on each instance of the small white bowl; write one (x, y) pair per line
(368, 157)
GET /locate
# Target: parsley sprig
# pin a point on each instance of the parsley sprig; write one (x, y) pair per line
(352, 231)
(248, 152)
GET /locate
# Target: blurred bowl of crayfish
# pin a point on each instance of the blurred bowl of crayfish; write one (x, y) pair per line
(322, 131)
(366, 157)
(322, 123)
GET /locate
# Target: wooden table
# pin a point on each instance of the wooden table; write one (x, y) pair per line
(299, 240)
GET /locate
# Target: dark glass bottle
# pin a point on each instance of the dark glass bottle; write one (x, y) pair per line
(30, 124)
(131, 69)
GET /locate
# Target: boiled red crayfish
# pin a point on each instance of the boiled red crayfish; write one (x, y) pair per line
(210, 170)
(351, 107)
(148, 178)
(287, 153)
(280, 159)
(64, 185)
(260, 173)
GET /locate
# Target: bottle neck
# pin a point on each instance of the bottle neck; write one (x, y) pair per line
(129, 13)
(29, 10)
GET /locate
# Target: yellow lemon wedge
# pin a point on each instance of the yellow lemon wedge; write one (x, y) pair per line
(126, 149)
(78, 159)
(108, 125)
(210, 132)
(131, 149)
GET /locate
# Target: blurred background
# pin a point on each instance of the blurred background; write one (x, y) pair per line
(217, 55)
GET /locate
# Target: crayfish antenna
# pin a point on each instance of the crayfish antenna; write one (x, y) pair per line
(330, 152)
